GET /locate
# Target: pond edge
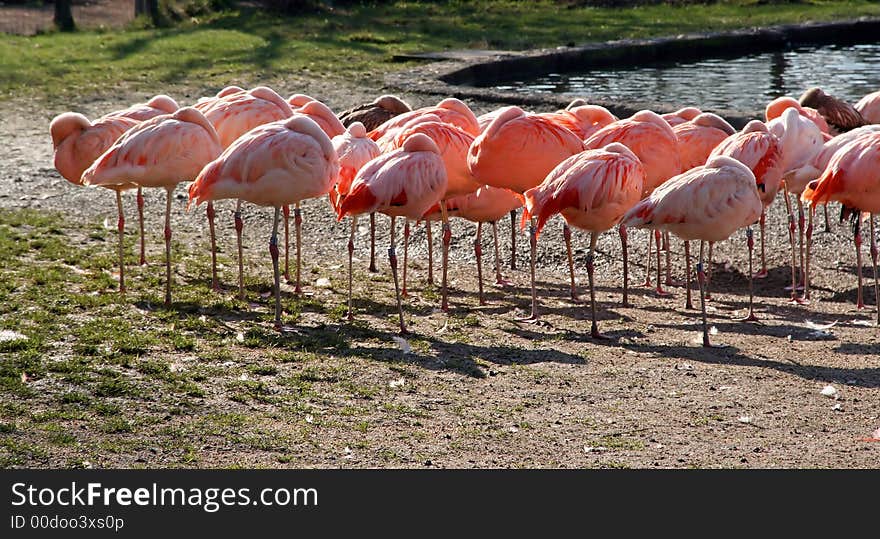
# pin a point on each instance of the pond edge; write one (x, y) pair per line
(457, 77)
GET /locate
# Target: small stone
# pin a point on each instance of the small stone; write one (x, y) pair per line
(828, 391)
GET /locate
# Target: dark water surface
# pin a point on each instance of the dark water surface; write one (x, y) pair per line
(744, 83)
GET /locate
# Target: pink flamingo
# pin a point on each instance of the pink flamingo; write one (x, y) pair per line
(156, 106)
(275, 164)
(402, 183)
(583, 121)
(485, 205)
(813, 170)
(484, 120)
(592, 190)
(160, 152)
(233, 114)
(449, 110)
(800, 140)
(852, 179)
(869, 107)
(354, 150)
(78, 143)
(454, 144)
(758, 149)
(698, 137)
(653, 141)
(372, 115)
(516, 152)
(680, 116)
(330, 124)
(706, 203)
(775, 108)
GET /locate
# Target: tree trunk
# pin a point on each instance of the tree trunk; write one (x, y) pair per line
(153, 7)
(150, 8)
(64, 16)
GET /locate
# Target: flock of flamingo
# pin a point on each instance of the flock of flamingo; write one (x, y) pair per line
(688, 173)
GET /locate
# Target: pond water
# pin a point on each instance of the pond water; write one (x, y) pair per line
(744, 83)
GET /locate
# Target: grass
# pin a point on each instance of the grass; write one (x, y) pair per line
(247, 46)
(107, 368)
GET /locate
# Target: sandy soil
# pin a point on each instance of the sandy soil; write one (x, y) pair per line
(495, 392)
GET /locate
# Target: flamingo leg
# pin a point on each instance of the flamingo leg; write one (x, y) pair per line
(447, 239)
(763, 272)
(623, 237)
(811, 212)
(791, 227)
(350, 256)
(874, 263)
(285, 211)
(430, 235)
(801, 229)
(709, 272)
(273, 250)
(750, 241)
(297, 221)
(688, 304)
(392, 260)
(513, 239)
(140, 207)
(668, 245)
(857, 239)
(168, 192)
(647, 282)
(405, 253)
(120, 226)
(659, 290)
(701, 279)
(594, 328)
(827, 221)
(239, 226)
(373, 242)
(533, 246)
(478, 253)
(499, 279)
(566, 233)
(215, 283)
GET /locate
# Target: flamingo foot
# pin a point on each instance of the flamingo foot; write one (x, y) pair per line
(750, 318)
(530, 319)
(802, 301)
(761, 274)
(662, 293)
(594, 333)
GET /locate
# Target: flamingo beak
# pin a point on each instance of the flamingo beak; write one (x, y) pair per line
(762, 188)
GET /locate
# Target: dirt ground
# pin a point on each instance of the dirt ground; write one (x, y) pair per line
(478, 388)
(31, 19)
